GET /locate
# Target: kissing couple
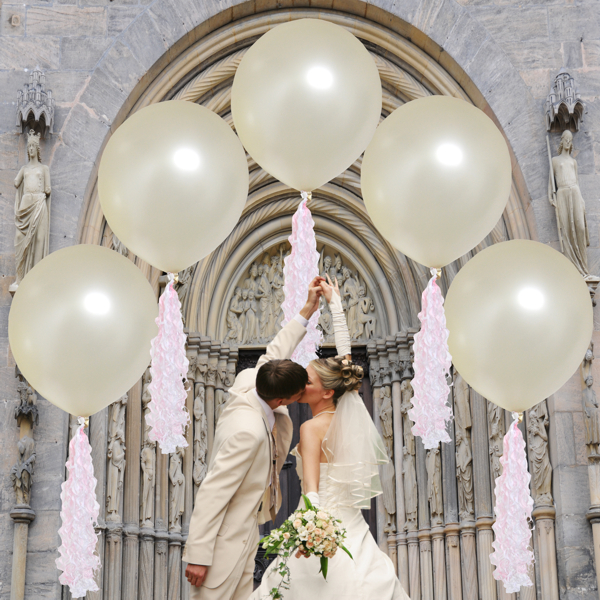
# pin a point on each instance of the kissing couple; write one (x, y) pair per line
(337, 462)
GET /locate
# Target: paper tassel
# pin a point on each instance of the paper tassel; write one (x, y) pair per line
(301, 267)
(513, 556)
(431, 411)
(167, 415)
(78, 560)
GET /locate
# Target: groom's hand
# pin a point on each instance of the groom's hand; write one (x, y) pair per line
(196, 574)
(312, 302)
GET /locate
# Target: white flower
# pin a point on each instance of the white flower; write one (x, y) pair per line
(322, 515)
(309, 515)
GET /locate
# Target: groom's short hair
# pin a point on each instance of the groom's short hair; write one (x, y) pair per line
(280, 379)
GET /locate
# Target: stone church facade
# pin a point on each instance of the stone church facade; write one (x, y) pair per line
(102, 61)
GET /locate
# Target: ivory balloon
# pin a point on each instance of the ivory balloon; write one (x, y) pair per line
(306, 100)
(173, 182)
(520, 320)
(80, 327)
(436, 178)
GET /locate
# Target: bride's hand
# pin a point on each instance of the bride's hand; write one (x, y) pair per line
(329, 287)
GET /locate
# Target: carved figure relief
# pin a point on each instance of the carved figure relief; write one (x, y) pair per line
(118, 246)
(21, 474)
(464, 456)
(409, 468)
(590, 405)
(254, 312)
(496, 436)
(565, 196)
(32, 210)
(176, 490)
(388, 479)
(200, 438)
(148, 466)
(27, 407)
(433, 463)
(146, 398)
(116, 457)
(183, 284)
(537, 430)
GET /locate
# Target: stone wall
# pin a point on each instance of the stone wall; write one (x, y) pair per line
(97, 54)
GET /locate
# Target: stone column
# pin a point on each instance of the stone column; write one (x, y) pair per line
(131, 499)
(544, 513)
(115, 478)
(98, 439)
(147, 498)
(374, 373)
(424, 525)
(451, 529)
(188, 458)
(398, 368)
(211, 382)
(161, 543)
(483, 497)
(177, 493)
(22, 477)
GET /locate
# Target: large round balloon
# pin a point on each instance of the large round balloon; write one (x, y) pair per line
(173, 182)
(80, 327)
(520, 320)
(436, 178)
(306, 100)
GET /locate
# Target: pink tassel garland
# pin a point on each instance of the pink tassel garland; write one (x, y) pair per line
(78, 560)
(168, 416)
(431, 411)
(301, 267)
(513, 556)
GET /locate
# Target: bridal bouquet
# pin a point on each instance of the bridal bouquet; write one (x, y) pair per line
(308, 531)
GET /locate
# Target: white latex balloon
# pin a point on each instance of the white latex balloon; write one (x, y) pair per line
(436, 178)
(520, 320)
(173, 182)
(306, 100)
(80, 327)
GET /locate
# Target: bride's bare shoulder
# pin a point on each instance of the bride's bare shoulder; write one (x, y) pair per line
(315, 429)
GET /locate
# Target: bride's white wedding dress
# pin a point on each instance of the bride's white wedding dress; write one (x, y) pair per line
(345, 486)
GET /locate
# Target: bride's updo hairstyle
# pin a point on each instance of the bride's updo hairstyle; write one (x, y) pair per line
(338, 374)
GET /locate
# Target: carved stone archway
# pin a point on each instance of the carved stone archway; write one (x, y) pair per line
(151, 548)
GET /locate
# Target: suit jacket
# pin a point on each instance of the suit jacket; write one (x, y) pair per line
(226, 512)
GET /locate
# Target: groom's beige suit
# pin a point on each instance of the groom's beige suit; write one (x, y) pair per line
(235, 496)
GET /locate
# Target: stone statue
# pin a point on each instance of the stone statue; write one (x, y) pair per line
(537, 429)
(326, 321)
(118, 246)
(146, 398)
(200, 438)
(184, 281)
(176, 490)
(388, 478)
(409, 469)
(592, 417)
(496, 435)
(32, 210)
(250, 283)
(266, 321)
(116, 457)
(21, 474)
(366, 315)
(148, 465)
(464, 456)
(250, 319)
(433, 463)
(349, 293)
(27, 407)
(234, 325)
(569, 204)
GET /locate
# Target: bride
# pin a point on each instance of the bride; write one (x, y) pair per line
(337, 461)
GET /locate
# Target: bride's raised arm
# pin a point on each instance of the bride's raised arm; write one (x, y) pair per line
(340, 327)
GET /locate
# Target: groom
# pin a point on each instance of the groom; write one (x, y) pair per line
(241, 489)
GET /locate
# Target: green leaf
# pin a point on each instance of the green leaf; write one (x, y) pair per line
(347, 552)
(324, 566)
(308, 503)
